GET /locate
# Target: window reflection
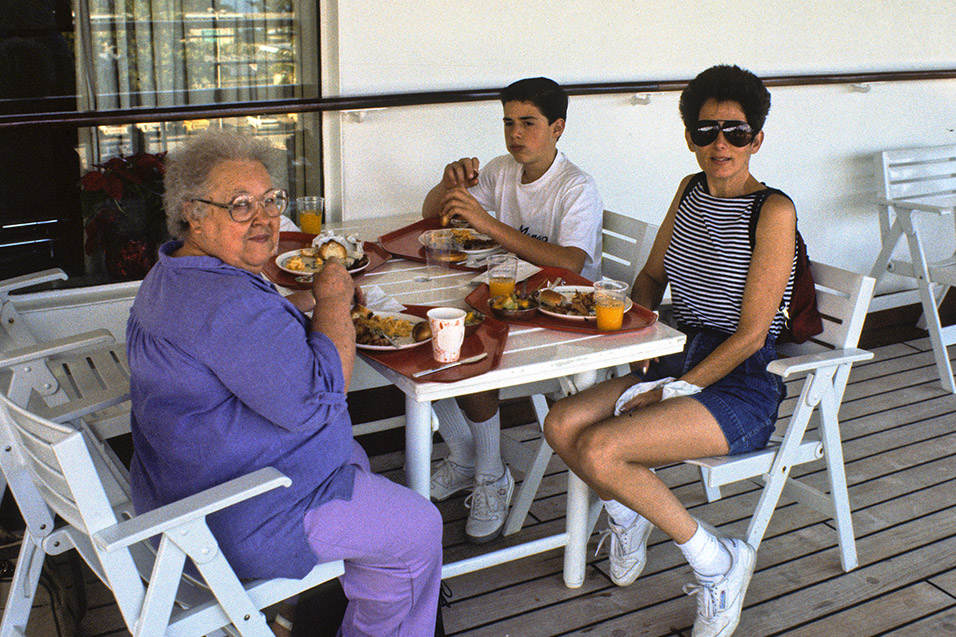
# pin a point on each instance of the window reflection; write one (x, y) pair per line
(104, 55)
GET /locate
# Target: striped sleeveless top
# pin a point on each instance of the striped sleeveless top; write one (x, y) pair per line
(708, 259)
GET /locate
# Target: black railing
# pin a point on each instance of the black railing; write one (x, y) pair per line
(322, 104)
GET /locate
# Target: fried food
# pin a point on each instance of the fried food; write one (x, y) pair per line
(580, 304)
(375, 329)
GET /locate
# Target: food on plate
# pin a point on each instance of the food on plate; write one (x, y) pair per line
(580, 303)
(448, 256)
(551, 299)
(333, 249)
(296, 263)
(422, 331)
(474, 317)
(325, 246)
(512, 303)
(468, 239)
(376, 329)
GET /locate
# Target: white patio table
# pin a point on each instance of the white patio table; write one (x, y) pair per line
(531, 354)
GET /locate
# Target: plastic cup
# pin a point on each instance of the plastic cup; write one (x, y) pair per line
(609, 296)
(448, 333)
(502, 271)
(310, 211)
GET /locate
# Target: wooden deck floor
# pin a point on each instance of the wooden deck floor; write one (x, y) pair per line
(899, 431)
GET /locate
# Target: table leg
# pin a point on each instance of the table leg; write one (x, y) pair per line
(575, 553)
(418, 445)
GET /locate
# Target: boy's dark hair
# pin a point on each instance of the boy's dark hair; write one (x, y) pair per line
(546, 94)
(726, 83)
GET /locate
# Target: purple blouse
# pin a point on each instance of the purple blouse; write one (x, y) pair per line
(227, 378)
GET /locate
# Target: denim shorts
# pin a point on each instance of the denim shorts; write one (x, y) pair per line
(744, 402)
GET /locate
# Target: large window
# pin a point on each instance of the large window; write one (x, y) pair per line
(121, 56)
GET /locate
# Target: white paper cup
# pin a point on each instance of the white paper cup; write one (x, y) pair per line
(448, 332)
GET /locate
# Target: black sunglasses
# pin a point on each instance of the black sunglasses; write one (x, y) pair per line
(736, 132)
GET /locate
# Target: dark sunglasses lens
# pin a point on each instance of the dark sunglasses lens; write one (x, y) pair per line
(704, 134)
(739, 135)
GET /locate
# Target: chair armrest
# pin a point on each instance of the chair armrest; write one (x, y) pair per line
(29, 280)
(915, 205)
(56, 346)
(809, 362)
(188, 509)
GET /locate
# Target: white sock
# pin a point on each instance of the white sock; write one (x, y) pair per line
(455, 432)
(705, 554)
(620, 514)
(487, 436)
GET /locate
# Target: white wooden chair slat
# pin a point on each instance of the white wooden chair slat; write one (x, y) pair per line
(827, 364)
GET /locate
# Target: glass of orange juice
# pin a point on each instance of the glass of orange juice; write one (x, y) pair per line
(609, 298)
(310, 211)
(502, 270)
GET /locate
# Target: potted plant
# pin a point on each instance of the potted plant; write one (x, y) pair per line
(123, 213)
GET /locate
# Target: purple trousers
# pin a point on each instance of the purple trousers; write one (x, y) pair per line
(390, 540)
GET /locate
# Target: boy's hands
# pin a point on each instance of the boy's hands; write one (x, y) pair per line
(458, 202)
(461, 174)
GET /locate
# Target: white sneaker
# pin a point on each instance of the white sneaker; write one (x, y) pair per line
(719, 603)
(628, 550)
(489, 507)
(450, 478)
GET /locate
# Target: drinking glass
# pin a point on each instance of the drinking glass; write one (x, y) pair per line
(310, 211)
(609, 296)
(502, 271)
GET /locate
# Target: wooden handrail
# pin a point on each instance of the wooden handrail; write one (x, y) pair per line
(323, 104)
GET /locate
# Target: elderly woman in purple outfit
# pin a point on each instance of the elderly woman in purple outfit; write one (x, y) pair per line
(228, 376)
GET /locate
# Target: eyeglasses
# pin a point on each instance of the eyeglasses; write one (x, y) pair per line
(736, 132)
(242, 208)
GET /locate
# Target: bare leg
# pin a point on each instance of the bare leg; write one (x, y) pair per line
(614, 454)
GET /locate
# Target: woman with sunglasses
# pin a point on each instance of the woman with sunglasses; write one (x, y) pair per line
(227, 377)
(727, 248)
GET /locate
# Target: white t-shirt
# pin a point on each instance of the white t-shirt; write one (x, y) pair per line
(563, 206)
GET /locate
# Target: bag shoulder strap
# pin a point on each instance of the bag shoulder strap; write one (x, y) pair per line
(759, 200)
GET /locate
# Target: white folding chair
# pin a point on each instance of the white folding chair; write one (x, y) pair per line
(919, 180)
(65, 378)
(626, 242)
(843, 298)
(153, 593)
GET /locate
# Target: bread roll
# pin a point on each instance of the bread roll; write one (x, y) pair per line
(335, 249)
(551, 298)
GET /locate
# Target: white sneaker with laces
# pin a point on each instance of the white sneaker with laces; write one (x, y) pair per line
(628, 550)
(488, 505)
(450, 478)
(719, 603)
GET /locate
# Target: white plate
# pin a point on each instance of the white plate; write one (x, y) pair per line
(405, 342)
(310, 263)
(424, 239)
(568, 292)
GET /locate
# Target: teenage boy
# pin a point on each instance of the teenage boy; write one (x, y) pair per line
(538, 205)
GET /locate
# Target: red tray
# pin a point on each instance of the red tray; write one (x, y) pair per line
(490, 337)
(298, 240)
(637, 318)
(404, 242)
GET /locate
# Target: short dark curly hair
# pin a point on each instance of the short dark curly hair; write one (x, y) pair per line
(726, 83)
(544, 93)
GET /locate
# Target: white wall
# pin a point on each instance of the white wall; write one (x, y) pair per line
(819, 139)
